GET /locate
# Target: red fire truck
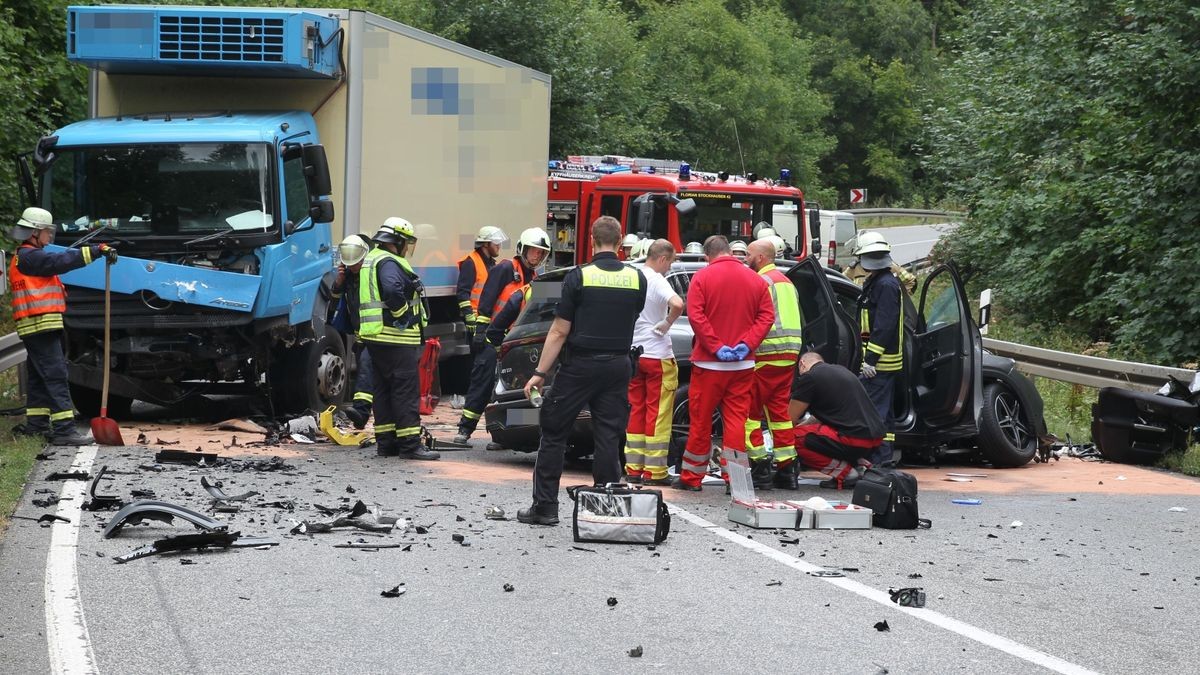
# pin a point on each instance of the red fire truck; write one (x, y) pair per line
(661, 199)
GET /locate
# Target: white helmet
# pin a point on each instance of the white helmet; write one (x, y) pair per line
(738, 246)
(759, 227)
(534, 237)
(779, 244)
(490, 234)
(630, 239)
(353, 249)
(641, 248)
(36, 219)
(871, 242)
(394, 230)
(694, 247)
(764, 232)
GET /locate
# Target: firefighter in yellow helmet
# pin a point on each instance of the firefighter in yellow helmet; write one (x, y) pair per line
(392, 317)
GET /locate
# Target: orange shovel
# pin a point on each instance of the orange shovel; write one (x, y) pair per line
(104, 429)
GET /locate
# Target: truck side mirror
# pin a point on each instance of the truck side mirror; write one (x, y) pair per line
(814, 223)
(642, 212)
(321, 211)
(316, 170)
(685, 206)
(815, 246)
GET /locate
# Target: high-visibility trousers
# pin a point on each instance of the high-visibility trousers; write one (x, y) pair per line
(770, 396)
(708, 390)
(651, 403)
(825, 449)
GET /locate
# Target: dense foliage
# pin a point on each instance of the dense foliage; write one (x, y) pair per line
(1066, 126)
(1069, 127)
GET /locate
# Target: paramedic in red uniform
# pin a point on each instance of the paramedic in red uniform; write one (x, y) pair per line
(844, 428)
(729, 307)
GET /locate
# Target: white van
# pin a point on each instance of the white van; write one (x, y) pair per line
(833, 244)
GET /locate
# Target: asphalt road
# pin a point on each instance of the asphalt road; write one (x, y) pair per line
(1099, 576)
(915, 241)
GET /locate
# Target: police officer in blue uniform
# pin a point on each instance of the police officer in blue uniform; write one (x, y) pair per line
(593, 328)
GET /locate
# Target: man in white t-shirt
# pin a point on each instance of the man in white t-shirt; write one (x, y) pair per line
(652, 389)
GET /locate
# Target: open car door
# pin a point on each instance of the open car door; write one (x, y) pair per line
(947, 353)
(826, 330)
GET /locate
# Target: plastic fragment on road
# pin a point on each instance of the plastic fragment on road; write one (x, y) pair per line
(1177, 509)
(1015, 523)
(214, 489)
(69, 475)
(636, 652)
(395, 592)
(908, 597)
(967, 502)
(339, 436)
(882, 626)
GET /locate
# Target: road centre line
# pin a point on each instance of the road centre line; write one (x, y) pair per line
(66, 629)
(940, 620)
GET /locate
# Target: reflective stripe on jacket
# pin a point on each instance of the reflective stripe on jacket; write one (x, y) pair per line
(377, 323)
(785, 339)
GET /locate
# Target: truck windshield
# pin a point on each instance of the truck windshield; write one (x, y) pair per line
(732, 215)
(184, 189)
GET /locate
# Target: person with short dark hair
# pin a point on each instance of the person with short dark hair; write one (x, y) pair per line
(729, 307)
(846, 430)
(593, 329)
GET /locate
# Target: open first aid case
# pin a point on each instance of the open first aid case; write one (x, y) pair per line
(747, 509)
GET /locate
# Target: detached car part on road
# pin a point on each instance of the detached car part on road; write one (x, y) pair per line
(954, 397)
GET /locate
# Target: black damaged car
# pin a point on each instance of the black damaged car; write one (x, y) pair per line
(954, 398)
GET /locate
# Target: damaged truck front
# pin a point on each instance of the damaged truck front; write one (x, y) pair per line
(286, 130)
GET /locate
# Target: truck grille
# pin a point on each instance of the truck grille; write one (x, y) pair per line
(221, 38)
(85, 310)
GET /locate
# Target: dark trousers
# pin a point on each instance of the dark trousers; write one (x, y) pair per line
(881, 389)
(48, 407)
(397, 396)
(602, 384)
(364, 382)
(479, 393)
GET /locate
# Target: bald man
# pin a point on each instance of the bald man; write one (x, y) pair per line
(774, 367)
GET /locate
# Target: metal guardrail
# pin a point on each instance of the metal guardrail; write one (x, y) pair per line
(12, 351)
(1090, 371)
(916, 213)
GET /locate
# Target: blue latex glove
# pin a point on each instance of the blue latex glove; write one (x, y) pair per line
(726, 353)
(741, 351)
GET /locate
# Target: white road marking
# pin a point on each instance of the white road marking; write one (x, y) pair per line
(940, 620)
(66, 629)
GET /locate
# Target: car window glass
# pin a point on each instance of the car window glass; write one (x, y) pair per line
(940, 302)
(679, 283)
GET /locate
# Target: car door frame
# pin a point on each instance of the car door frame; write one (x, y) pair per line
(946, 376)
(826, 329)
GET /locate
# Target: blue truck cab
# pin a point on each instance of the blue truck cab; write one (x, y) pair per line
(221, 218)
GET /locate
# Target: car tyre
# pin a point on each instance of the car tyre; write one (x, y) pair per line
(1006, 434)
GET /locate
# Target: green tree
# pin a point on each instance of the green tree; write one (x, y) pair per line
(713, 71)
(1064, 124)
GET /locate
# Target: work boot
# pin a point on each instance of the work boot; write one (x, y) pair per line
(678, 484)
(760, 473)
(665, 480)
(633, 480)
(494, 447)
(419, 452)
(535, 515)
(844, 483)
(463, 437)
(357, 416)
(26, 430)
(786, 477)
(72, 438)
(386, 446)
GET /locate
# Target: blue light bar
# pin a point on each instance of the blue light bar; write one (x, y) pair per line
(685, 171)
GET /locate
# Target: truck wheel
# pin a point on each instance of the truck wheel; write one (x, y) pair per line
(87, 402)
(1006, 434)
(681, 426)
(313, 376)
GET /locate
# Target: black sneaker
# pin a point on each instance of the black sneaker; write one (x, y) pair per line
(678, 484)
(73, 439)
(532, 516)
(419, 453)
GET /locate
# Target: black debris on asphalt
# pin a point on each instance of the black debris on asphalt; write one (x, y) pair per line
(47, 502)
(612, 602)
(69, 475)
(774, 582)
(883, 626)
(508, 588)
(636, 652)
(395, 592)
(185, 457)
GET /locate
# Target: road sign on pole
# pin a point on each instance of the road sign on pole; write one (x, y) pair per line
(858, 195)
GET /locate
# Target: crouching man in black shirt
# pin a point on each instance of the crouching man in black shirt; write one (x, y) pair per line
(846, 429)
